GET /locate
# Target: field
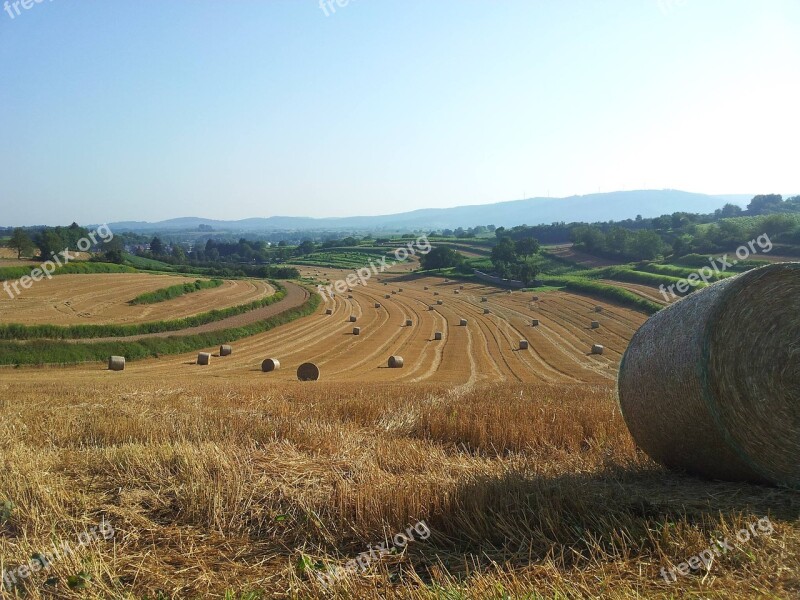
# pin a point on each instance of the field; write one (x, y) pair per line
(103, 299)
(226, 482)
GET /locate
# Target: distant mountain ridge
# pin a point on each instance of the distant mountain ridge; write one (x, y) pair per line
(611, 206)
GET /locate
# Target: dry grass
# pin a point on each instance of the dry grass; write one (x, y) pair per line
(529, 490)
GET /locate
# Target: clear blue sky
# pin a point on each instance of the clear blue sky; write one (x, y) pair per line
(123, 110)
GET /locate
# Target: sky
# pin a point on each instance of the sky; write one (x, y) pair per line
(144, 110)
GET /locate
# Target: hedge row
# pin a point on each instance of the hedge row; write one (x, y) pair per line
(175, 291)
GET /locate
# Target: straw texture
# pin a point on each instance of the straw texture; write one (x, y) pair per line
(711, 384)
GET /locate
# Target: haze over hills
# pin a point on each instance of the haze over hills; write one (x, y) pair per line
(612, 206)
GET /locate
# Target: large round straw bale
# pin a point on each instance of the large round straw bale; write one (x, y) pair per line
(386, 296)
(329, 311)
(409, 322)
(356, 330)
(394, 292)
(437, 335)
(598, 349)
(225, 350)
(523, 344)
(534, 322)
(431, 308)
(377, 305)
(116, 363)
(461, 287)
(598, 309)
(595, 324)
(349, 296)
(353, 318)
(440, 302)
(535, 299)
(425, 288)
(395, 362)
(308, 372)
(435, 293)
(486, 311)
(456, 291)
(463, 322)
(270, 364)
(484, 299)
(710, 384)
(204, 358)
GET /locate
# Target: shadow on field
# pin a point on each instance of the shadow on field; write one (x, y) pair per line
(617, 513)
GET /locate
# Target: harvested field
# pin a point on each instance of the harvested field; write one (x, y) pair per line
(227, 485)
(103, 299)
(645, 291)
(581, 258)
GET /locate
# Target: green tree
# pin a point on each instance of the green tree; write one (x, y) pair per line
(49, 243)
(157, 246)
(441, 258)
(527, 247)
(21, 242)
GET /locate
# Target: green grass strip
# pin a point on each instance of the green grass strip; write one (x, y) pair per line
(42, 352)
(15, 331)
(176, 291)
(76, 268)
(610, 292)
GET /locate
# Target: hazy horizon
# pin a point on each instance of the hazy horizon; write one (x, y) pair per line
(115, 113)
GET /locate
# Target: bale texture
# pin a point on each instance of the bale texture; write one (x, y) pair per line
(270, 364)
(225, 350)
(409, 322)
(352, 318)
(437, 335)
(711, 384)
(308, 372)
(534, 322)
(356, 330)
(463, 323)
(595, 324)
(329, 311)
(486, 311)
(440, 302)
(395, 362)
(377, 305)
(116, 363)
(523, 344)
(204, 358)
(598, 309)
(598, 349)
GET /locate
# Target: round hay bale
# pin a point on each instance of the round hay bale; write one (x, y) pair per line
(409, 323)
(356, 330)
(598, 349)
(484, 299)
(270, 364)
(353, 318)
(523, 344)
(709, 384)
(534, 322)
(431, 308)
(486, 311)
(395, 362)
(595, 324)
(438, 335)
(461, 287)
(456, 291)
(463, 323)
(386, 296)
(349, 296)
(400, 290)
(204, 358)
(225, 350)
(116, 363)
(425, 288)
(377, 305)
(329, 311)
(535, 299)
(440, 302)
(435, 293)
(308, 372)
(598, 309)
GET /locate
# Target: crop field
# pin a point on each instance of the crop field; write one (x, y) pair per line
(222, 481)
(103, 299)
